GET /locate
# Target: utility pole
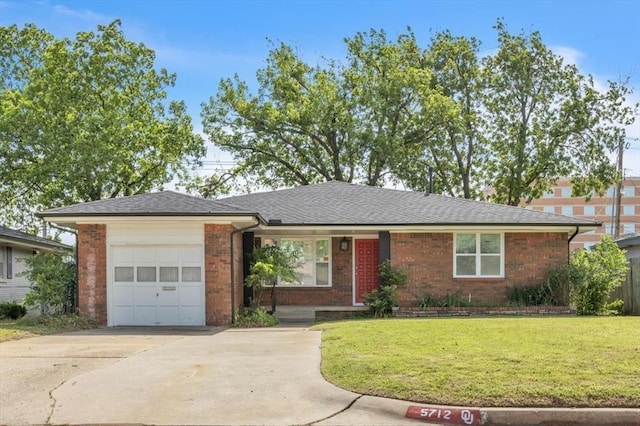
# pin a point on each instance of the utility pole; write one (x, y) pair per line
(618, 194)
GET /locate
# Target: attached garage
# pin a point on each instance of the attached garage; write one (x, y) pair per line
(155, 274)
(157, 285)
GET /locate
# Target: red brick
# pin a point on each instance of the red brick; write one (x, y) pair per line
(217, 267)
(427, 258)
(92, 272)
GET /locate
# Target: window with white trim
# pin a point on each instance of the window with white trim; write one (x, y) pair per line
(314, 265)
(2, 261)
(478, 255)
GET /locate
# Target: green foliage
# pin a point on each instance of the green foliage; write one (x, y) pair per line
(518, 118)
(614, 308)
(256, 317)
(545, 120)
(347, 120)
(268, 264)
(428, 301)
(84, 119)
(596, 272)
(553, 291)
(381, 301)
(50, 275)
(12, 310)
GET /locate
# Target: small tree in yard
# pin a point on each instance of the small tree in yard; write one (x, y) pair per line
(270, 263)
(595, 273)
(51, 275)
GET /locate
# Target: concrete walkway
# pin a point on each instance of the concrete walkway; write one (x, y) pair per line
(205, 376)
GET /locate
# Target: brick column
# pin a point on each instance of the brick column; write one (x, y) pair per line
(217, 269)
(92, 272)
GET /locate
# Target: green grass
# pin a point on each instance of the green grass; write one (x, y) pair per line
(42, 325)
(511, 362)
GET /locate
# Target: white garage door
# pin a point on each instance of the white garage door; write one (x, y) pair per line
(157, 285)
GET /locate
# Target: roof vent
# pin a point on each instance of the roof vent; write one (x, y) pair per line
(275, 221)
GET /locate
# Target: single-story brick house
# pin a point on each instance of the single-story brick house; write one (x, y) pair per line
(15, 246)
(172, 259)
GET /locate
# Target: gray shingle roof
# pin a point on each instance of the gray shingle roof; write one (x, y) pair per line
(340, 203)
(166, 203)
(9, 234)
(329, 203)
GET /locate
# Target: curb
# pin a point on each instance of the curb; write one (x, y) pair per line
(446, 415)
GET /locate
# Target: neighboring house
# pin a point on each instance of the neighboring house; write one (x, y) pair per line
(599, 208)
(14, 247)
(630, 244)
(172, 259)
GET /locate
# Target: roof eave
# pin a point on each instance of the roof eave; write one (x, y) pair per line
(421, 227)
(96, 217)
(53, 246)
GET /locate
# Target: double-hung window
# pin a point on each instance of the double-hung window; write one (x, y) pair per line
(479, 255)
(313, 267)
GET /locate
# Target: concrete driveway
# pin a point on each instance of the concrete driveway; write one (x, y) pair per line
(179, 376)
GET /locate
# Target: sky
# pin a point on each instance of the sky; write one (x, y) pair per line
(205, 41)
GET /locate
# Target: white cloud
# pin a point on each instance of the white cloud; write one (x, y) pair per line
(569, 54)
(83, 15)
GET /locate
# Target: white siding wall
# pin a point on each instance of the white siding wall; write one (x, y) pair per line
(155, 233)
(14, 289)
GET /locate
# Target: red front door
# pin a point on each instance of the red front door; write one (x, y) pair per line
(366, 264)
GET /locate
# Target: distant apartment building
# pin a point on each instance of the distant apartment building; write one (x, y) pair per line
(599, 208)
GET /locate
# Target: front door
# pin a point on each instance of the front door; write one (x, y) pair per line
(366, 276)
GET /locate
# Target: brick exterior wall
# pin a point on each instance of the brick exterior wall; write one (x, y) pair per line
(92, 272)
(427, 258)
(217, 270)
(339, 294)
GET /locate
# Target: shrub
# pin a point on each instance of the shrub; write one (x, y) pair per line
(614, 308)
(553, 291)
(595, 273)
(12, 310)
(255, 317)
(532, 295)
(50, 275)
(428, 301)
(381, 301)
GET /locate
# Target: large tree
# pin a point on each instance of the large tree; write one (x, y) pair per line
(84, 119)
(516, 120)
(544, 120)
(347, 121)
(455, 150)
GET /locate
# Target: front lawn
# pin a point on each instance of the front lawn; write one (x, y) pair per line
(42, 325)
(485, 362)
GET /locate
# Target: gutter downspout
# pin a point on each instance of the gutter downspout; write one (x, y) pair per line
(233, 269)
(569, 243)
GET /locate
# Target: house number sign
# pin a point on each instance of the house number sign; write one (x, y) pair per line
(444, 415)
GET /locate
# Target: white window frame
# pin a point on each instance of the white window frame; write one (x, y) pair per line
(3, 261)
(314, 239)
(478, 255)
